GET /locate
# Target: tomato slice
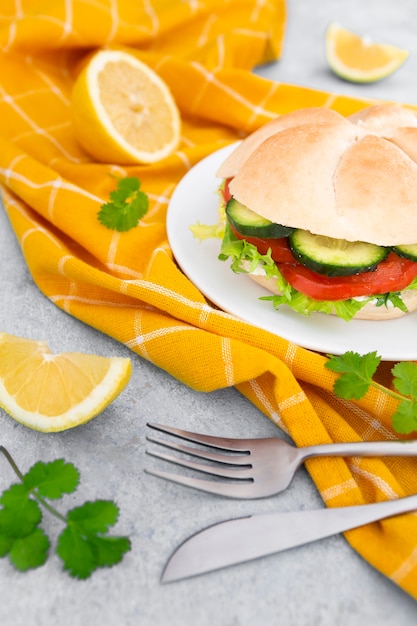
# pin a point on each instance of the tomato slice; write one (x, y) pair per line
(280, 250)
(392, 274)
(226, 191)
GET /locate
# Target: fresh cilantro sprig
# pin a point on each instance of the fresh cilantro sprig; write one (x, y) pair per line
(356, 377)
(83, 545)
(128, 204)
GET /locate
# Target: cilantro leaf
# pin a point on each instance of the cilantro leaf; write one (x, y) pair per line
(76, 552)
(356, 376)
(109, 551)
(30, 551)
(53, 479)
(404, 420)
(95, 517)
(5, 545)
(405, 378)
(82, 545)
(126, 207)
(355, 371)
(21, 518)
(405, 382)
(353, 363)
(14, 496)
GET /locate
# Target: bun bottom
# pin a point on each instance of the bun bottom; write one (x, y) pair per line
(369, 312)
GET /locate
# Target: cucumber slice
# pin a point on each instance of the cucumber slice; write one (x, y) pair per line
(408, 251)
(335, 257)
(250, 224)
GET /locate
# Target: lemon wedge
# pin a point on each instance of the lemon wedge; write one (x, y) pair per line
(359, 60)
(50, 392)
(123, 112)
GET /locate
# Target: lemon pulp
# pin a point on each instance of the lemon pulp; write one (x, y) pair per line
(50, 392)
(358, 59)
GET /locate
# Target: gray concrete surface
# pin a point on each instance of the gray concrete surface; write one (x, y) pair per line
(325, 584)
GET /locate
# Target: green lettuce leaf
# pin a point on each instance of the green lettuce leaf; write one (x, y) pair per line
(245, 258)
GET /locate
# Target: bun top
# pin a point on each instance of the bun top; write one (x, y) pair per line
(311, 115)
(348, 178)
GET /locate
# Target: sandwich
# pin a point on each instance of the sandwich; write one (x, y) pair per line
(321, 210)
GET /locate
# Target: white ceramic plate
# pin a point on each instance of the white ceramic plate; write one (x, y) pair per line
(195, 200)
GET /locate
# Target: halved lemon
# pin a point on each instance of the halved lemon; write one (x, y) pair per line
(357, 59)
(49, 392)
(123, 112)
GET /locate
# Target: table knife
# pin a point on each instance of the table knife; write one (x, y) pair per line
(246, 538)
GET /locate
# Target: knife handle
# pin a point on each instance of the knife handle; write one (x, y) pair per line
(300, 527)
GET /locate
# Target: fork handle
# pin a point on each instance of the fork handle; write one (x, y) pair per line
(361, 448)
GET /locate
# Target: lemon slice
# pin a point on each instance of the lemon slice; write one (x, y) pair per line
(359, 60)
(123, 112)
(50, 392)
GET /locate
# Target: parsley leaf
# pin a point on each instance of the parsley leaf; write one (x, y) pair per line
(30, 551)
(14, 497)
(85, 538)
(53, 479)
(83, 545)
(109, 551)
(96, 516)
(404, 419)
(356, 377)
(6, 544)
(82, 551)
(126, 207)
(20, 515)
(405, 378)
(356, 373)
(76, 552)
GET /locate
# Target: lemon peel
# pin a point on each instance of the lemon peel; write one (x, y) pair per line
(122, 111)
(358, 59)
(53, 392)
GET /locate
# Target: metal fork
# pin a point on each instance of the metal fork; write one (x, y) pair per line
(255, 468)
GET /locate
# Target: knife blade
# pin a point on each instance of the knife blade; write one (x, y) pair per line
(243, 539)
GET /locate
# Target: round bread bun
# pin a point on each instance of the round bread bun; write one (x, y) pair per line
(310, 115)
(393, 122)
(369, 312)
(351, 178)
(384, 117)
(339, 179)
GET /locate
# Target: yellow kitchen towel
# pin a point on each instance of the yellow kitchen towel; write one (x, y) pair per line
(128, 284)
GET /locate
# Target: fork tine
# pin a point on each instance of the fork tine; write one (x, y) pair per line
(223, 472)
(201, 454)
(242, 490)
(224, 443)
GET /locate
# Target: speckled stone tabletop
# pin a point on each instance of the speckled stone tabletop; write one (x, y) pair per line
(325, 583)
